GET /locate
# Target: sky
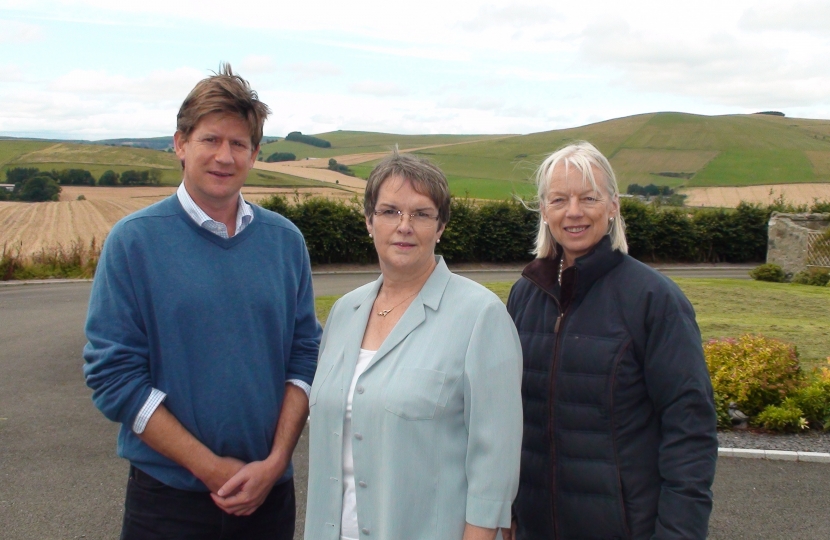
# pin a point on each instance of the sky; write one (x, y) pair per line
(98, 69)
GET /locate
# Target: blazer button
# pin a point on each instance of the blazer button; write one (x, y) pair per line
(362, 484)
(358, 436)
(360, 389)
(365, 531)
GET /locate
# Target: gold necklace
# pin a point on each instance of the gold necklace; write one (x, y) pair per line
(385, 312)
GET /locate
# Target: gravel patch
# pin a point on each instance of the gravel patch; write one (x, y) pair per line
(811, 441)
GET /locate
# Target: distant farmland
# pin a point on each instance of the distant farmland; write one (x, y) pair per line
(718, 160)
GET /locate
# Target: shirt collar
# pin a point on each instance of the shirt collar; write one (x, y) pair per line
(244, 213)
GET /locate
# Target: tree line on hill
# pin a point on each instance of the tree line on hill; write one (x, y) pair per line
(33, 185)
(296, 136)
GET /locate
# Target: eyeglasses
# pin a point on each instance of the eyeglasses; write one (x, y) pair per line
(559, 202)
(393, 217)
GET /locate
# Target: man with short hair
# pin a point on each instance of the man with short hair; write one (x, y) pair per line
(203, 339)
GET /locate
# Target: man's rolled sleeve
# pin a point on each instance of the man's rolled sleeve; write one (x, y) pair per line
(116, 354)
(305, 344)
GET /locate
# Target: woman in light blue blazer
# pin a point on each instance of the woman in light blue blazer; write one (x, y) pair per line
(416, 412)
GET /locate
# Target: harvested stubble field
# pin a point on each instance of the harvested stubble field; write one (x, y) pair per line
(730, 197)
(37, 226)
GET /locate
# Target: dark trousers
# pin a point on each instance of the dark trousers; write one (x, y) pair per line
(155, 511)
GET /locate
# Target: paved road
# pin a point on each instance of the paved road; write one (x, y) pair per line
(60, 477)
(340, 283)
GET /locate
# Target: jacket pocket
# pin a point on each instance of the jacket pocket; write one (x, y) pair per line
(414, 393)
(317, 384)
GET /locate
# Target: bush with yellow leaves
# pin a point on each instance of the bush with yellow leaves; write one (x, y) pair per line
(753, 371)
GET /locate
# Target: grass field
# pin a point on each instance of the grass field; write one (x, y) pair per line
(10, 150)
(754, 166)
(361, 142)
(732, 307)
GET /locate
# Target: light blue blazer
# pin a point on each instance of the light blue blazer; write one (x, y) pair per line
(436, 417)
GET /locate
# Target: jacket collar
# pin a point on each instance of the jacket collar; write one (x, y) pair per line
(579, 278)
(429, 297)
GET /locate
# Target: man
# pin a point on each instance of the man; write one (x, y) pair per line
(203, 339)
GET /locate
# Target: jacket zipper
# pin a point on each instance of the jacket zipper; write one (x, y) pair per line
(552, 405)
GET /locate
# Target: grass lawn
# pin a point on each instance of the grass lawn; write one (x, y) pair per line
(731, 307)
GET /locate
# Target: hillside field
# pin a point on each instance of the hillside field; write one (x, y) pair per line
(674, 149)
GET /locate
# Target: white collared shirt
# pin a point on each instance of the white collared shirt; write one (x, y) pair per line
(244, 214)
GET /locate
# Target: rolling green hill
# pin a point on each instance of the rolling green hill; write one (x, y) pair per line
(732, 150)
(49, 155)
(673, 149)
(361, 142)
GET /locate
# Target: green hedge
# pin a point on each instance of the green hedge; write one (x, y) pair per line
(504, 231)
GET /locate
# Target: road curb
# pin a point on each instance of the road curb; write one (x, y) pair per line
(775, 455)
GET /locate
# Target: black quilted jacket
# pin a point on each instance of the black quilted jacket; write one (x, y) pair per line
(620, 433)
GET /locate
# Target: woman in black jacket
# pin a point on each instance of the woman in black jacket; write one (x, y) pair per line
(620, 433)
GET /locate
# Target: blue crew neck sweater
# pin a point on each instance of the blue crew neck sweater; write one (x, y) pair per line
(217, 324)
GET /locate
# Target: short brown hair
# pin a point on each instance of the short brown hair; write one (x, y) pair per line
(223, 92)
(426, 178)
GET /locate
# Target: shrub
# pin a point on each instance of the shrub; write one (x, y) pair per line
(818, 277)
(38, 189)
(753, 371)
(108, 178)
(280, 156)
(786, 417)
(768, 272)
(18, 175)
(814, 399)
(9, 262)
(141, 178)
(296, 136)
(334, 231)
(74, 177)
(76, 262)
(337, 167)
(722, 411)
(505, 233)
(458, 241)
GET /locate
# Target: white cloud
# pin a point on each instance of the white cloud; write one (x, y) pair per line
(19, 32)
(257, 64)
(728, 68)
(471, 102)
(513, 15)
(10, 73)
(812, 16)
(158, 85)
(377, 88)
(309, 71)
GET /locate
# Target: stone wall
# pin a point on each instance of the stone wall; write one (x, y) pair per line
(787, 244)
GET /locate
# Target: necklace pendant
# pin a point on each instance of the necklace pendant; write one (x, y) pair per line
(385, 312)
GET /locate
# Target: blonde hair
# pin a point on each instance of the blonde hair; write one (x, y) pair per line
(585, 157)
